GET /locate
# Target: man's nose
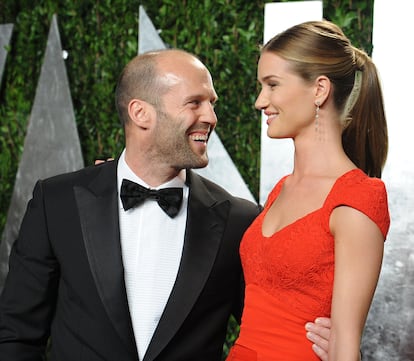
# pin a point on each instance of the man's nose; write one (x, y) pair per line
(209, 114)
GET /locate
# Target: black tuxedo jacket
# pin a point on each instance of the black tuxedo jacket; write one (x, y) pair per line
(66, 275)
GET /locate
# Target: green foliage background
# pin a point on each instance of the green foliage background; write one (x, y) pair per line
(101, 37)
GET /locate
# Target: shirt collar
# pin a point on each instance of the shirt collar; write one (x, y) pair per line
(125, 172)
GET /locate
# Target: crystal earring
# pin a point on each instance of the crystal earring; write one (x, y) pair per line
(317, 115)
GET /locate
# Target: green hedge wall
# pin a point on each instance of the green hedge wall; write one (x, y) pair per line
(101, 36)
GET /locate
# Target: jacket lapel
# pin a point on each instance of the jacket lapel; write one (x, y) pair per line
(206, 221)
(98, 211)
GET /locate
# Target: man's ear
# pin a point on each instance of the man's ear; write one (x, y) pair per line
(323, 87)
(141, 113)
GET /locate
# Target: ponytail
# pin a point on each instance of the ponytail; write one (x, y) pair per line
(365, 136)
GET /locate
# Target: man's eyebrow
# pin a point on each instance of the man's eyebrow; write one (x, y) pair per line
(200, 97)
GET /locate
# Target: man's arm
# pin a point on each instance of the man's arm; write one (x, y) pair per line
(318, 333)
(28, 298)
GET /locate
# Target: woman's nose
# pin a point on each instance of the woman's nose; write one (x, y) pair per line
(261, 101)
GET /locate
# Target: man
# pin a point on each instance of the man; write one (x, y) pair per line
(108, 279)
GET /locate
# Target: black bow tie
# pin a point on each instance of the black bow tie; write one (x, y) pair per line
(133, 194)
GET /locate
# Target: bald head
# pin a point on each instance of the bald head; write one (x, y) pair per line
(149, 76)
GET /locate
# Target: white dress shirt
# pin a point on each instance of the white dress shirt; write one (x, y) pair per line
(152, 245)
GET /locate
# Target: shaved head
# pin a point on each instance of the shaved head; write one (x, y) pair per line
(149, 76)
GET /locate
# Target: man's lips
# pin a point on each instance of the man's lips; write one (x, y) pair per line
(199, 137)
(200, 134)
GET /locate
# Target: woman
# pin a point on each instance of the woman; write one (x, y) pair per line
(317, 247)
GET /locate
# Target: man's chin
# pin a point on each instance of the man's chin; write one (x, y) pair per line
(200, 163)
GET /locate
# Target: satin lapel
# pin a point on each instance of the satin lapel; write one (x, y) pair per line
(205, 226)
(98, 211)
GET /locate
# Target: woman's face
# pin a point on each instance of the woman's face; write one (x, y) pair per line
(286, 99)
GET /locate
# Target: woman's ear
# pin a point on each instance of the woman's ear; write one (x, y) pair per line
(322, 89)
(140, 112)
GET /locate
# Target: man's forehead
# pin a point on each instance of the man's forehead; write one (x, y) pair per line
(174, 60)
(170, 79)
(185, 71)
(184, 75)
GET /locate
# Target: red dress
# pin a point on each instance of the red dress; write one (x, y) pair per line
(289, 275)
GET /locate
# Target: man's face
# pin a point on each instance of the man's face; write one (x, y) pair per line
(186, 117)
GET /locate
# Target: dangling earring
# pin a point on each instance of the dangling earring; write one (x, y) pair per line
(317, 115)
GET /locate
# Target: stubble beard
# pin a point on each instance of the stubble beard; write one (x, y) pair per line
(173, 146)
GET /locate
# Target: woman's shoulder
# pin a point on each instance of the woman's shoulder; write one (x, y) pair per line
(355, 183)
(366, 194)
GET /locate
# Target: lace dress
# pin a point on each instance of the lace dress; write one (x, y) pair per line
(289, 275)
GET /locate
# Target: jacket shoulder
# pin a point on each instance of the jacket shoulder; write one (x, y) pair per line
(81, 176)
(239, 205)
